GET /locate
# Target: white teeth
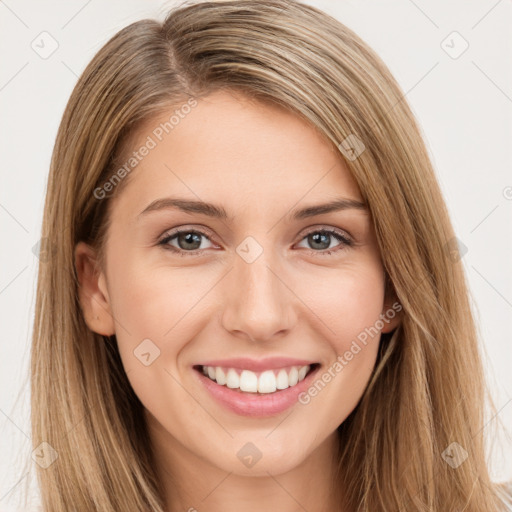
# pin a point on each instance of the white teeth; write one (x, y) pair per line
(282, 380)
(302, 372)
(293, 377)
(248, 381)
(220, 376)
(232, 379)
(266, 382)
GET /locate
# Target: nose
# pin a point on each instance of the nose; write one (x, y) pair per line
(259, 305)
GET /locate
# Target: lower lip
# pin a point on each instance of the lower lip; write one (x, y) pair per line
(252, 404)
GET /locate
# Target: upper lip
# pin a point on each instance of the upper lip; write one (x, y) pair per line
(257, 365)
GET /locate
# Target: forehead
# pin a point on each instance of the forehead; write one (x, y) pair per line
(230, 148)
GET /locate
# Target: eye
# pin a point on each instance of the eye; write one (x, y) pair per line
(321, 239)
(187, 240)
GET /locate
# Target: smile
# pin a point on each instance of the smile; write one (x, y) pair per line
(266, 389)
(268, 381)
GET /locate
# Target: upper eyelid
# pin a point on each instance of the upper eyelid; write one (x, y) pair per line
(171, 233)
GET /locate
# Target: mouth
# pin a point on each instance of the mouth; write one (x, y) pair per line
(268, 382)
(255, 387)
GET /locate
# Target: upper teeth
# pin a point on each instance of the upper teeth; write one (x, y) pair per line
(265, 382)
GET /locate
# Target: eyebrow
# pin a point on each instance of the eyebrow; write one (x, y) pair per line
(212, 210)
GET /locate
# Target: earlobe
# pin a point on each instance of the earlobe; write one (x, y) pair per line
(392, 310)
(92, 291)
(391, 314)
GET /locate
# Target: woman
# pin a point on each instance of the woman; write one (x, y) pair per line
(254, 369)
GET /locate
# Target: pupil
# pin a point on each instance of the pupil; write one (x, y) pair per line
(188, 238)
(315, 237)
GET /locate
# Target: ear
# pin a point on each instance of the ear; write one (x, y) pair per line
(392, 309)
(92, 291)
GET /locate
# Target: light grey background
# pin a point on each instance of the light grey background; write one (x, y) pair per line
(463, 104)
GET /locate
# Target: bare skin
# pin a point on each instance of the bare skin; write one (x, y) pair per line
(260, 164)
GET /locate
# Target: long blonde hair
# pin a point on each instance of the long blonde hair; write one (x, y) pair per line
(427, 390)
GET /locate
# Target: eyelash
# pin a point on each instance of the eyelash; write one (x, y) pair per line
(345, 241)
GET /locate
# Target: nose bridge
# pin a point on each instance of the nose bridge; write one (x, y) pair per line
(258, 304)
(258, 282)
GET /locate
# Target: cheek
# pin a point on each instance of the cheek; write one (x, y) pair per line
(151, 302)
(347, 303)
(158, 310)
(349, 308)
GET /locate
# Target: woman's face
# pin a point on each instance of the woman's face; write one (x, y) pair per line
(261, 284)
